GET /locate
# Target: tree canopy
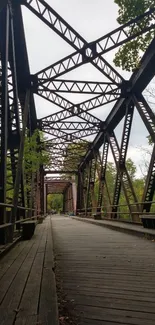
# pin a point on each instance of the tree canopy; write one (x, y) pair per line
(55, 202)
(129, 55)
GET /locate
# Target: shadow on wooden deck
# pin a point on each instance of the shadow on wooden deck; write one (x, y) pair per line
(27, 281)
(106, 276)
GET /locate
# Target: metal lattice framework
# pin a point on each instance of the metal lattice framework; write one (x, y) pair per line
(76, 135)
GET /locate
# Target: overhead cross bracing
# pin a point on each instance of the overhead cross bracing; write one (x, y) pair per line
(77, 138)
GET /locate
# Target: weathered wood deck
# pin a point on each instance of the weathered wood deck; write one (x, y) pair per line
(27, 291)
(108, 276)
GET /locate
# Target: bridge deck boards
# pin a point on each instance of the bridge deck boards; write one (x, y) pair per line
(23, 281)
(107, 276)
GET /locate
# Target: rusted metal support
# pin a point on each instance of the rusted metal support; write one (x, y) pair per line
(42, 190)
(88, 181)
(93, 199)
(20, 158)
(146, 114)
(102, 174)
(122, 156)
(4, 47)
(124, 176)
(149, 185)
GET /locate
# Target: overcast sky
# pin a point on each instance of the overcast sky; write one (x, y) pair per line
(92, 19)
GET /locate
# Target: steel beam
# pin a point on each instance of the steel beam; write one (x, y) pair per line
(146, 114)
(102, 173)
(149, 189)
(136, 84)
(69, 109)
(19, 168)
(75, 86)
(122, 156)
(63, 29)
(94, 50)
(128, 189)
(64, 115)
(4, 110)
(80, 110)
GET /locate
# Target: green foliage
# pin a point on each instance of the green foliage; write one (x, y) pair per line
(34, 152)
(110, 178)
(55, 202)
(34, 156)
(131, 168)
(129, 55)
(138, 185)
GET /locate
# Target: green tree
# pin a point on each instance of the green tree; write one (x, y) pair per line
(129, 55)
(110, 178)
(131, 168)
(55, 202)
(35, 155)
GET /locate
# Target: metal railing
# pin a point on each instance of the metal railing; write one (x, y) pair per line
(19, 220)
(125, 216)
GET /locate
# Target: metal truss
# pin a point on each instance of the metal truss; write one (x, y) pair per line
(107, 97)
(71, 146)
(137, 83)
(87, 52)
(102, 174)
(115, 38)
(122, 157)
(79, 134)
(149, 185)
(123, 175)
(69, 125)
(65, 154)
(146, 114)
(45, 13)
(69, 130)
(64, 115)
(72, 86)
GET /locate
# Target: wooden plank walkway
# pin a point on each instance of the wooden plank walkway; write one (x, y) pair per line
(109, 277)
(27, 281)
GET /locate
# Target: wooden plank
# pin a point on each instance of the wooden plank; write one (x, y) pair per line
(28, 308)
(121, 316)
(113, 293)
(10, 257)
(48, 309)
(10, 305)
(113, 302)
(107, 277)
(9, 276)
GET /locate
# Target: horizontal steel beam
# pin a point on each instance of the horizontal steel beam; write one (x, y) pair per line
(69, 125)
(72, 86)
(48, 172)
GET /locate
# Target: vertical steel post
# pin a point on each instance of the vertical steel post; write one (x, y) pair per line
(88, 187)
(148, 118)
(124, 175)
(42, 189)
(122, 156)
(20, 159)
(4, 117)
(102, 174)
